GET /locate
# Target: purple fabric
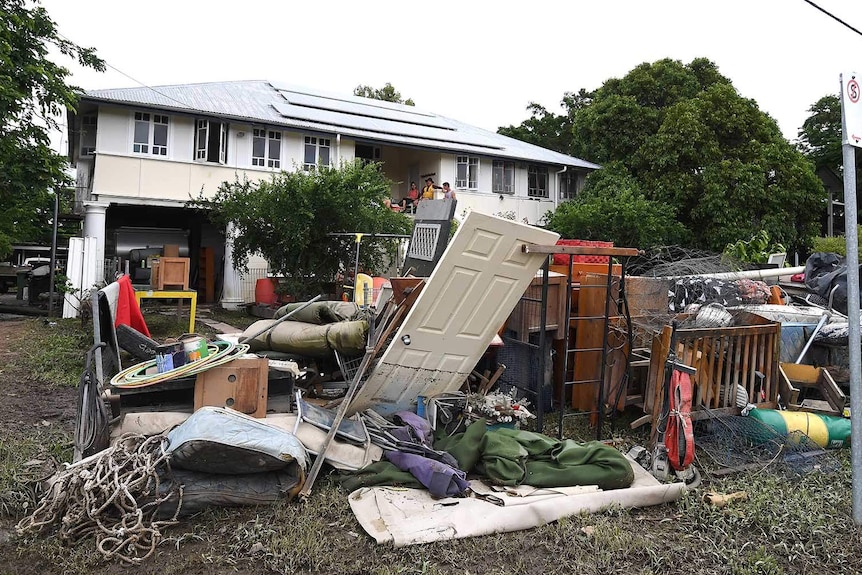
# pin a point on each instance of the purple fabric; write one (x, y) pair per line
(420, 427)
(440, 479)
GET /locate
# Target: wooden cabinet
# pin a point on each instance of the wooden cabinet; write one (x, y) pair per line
(526, 318)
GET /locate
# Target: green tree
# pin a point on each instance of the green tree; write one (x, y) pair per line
(612, 207)
(692, 142)
(33, 92)
(287, 220)
(820, 135)
(549, 130)
(387, 93)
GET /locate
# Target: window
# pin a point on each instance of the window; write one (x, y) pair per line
(467, 173)
(568, 185)
(503, 177)
(88, 135)
(266, 148)
(151, 134)
(211, 141)
(316, 152)
(367, 153)
(537, 181)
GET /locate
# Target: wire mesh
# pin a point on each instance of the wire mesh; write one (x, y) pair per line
(744, 443)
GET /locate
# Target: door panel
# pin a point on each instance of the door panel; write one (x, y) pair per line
(470, 293)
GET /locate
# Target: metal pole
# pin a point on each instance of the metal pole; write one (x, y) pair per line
(53, 255)
(281, 319)
(849, 107)
(851, 235)
(540, 386)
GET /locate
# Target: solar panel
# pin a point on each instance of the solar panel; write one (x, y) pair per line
(381, 126)
(370, 109)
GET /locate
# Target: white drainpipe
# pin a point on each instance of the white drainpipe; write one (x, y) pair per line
(337, 150)
(557, 195)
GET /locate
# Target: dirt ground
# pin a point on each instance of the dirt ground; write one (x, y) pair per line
(37, 406)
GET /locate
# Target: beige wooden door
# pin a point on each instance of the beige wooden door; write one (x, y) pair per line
(481, 276)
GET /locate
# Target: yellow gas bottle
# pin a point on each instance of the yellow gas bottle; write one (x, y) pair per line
(363, 292)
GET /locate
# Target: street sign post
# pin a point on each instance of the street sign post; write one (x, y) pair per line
(851, 122)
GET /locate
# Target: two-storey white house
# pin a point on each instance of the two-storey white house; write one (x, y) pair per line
(141, 153)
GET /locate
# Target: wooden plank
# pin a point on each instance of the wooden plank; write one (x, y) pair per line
(747, 378)
(528, 248)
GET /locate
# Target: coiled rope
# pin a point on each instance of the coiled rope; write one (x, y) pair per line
(220, 352)
(113, 495)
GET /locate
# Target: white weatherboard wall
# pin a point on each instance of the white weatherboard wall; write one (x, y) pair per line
(81, 270)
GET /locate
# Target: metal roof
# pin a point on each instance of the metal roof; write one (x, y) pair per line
(363, 118)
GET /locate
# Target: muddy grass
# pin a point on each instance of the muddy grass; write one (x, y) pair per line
(790, 524)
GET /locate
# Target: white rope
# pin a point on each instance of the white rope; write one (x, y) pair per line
(114, 496)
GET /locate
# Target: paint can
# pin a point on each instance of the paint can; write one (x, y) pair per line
(195, 348)
(169, 356)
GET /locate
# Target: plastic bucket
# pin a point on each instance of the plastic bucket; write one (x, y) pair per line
(264, 292)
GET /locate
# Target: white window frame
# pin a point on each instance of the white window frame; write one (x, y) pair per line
(272, 148)
(498, 177)
(202, 128)
(536, 189)
(470, 181)
(569, 182)
(316, 144)
(153, 121)
(89, 124)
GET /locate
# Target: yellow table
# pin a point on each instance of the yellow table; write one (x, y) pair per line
(172, 294)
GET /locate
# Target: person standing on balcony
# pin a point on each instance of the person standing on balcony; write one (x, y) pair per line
(428, 190)
(448, 193)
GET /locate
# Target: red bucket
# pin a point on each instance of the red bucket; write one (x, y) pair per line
(264, 291)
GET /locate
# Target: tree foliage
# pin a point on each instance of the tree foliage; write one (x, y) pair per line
(612, 207)
(387, 93)
(694, 145)
(547, 129)
(33, 92)
(820, 135)
(287, 220)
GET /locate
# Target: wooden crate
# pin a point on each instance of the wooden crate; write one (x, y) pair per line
(170, 272)
(241, 384)
(724, 358)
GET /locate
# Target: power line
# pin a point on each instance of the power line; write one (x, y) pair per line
(833, 16)
(114, 68)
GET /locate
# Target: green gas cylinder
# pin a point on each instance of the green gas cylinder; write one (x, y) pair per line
(828, 431)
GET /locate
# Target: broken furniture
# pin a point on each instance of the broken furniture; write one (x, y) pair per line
(241, 384)
(798, 381)
(744, 355)
(595, 345)
(527, 319)
(188, 294)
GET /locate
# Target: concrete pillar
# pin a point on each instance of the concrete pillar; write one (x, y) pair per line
(94, 227)
(232, 287)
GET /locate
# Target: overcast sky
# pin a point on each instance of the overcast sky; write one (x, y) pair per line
(478, 62)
